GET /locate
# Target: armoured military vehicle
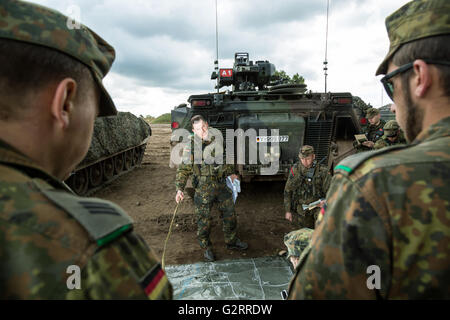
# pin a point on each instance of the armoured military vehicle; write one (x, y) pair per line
(118, 145)
(328, 121)
(386, 113)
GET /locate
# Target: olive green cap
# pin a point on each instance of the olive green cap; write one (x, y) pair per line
(372, 112)
(415, 20)
(391, 128)
(306, 151)
(38, 25)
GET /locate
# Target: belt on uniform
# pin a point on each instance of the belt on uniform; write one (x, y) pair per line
(205, 178)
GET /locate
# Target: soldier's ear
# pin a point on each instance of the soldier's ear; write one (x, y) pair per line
(422, 78)
(63, 100)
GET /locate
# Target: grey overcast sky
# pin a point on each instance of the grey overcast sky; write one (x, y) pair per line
(165, 50)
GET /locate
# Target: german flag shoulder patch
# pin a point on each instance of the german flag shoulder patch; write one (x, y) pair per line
(155, 283)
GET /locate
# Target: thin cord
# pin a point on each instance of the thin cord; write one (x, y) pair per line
(217, 49)
(168, 235)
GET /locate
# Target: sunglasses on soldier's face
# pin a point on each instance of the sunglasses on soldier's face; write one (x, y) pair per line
(386, 80)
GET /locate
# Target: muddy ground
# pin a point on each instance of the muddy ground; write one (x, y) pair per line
(148, 195)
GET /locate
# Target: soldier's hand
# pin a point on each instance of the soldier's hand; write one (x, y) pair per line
(294, 260)
(180, 196)
(288, 216)
(369, 144)
(233, 176)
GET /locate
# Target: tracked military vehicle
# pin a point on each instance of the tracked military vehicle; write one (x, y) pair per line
(118, 145)
(386, 113)
(327, 121)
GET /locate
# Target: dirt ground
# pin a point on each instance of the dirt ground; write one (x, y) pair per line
(147, 194)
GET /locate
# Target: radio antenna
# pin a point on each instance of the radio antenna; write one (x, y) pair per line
(325, 63)
(216, 63)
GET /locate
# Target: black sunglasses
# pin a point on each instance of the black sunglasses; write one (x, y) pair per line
(389, 86)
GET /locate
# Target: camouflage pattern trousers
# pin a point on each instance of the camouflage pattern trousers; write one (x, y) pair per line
(204, 198)
(307, 218)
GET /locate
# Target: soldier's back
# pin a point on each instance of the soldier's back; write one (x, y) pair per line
(408, 188)
(45, 237)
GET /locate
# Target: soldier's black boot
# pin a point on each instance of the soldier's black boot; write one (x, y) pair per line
(209, 255)
(238, 245)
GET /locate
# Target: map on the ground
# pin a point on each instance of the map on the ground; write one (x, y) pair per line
(249, 279)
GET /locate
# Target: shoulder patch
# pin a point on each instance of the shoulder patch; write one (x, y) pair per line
(155, 282)
(351, 163)
(103, 220)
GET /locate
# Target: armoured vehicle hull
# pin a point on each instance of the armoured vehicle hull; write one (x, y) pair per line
(279, 118)
(386, 113)
(118, 145)
(328, 122)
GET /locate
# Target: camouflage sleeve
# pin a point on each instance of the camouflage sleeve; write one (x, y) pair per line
(228, 169)
(379, 144)
(288, 191)
(185, 169)
(350, 238)
(124, 269)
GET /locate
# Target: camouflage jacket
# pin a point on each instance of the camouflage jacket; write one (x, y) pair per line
(46, 233)
(213, 174)
(298, 190)
(374, 133)
(385, 142)
(389, 209)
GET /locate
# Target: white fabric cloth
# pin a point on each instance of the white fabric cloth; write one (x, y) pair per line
(235, 186)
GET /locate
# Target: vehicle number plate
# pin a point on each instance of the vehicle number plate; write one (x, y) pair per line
(265, 139)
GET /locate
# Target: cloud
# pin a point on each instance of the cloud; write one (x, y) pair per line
(166, 49)
(128, 95)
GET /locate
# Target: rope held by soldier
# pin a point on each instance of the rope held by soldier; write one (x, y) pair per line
(168, 234)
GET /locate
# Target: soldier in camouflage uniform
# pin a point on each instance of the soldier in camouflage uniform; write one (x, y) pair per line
(210, 186)
(393, 135)
(54, 244)
(307, 182)
(386, 231)
(373, 132)
(296, 241)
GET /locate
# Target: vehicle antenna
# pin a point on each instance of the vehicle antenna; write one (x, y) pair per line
(382, 89)
(325, 63)
(216, 63)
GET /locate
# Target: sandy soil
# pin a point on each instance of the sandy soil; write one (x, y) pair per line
(148, 195)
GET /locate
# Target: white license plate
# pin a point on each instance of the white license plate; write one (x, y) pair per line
(266, 139)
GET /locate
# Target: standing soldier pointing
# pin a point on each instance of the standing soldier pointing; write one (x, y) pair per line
(209, 181)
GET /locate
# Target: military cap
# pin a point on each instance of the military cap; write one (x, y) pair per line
(38, 25)
(415, 20)
(296, 241)
(372, 112)
(391, 128)
(306, 151)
